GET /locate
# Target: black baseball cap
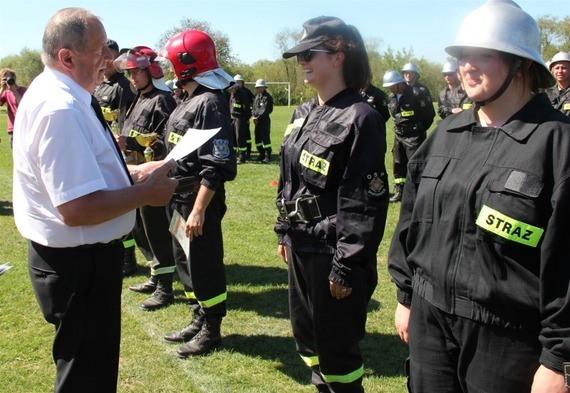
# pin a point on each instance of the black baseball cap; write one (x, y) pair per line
(112, 44)
(318, 30)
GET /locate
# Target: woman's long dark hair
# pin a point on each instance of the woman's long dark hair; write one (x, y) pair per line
(356, 68)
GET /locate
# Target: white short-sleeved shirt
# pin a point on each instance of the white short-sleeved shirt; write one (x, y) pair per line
(61, 153)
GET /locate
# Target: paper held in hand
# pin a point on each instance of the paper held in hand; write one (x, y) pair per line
(192, 140)
(4, 268)
(178, 230)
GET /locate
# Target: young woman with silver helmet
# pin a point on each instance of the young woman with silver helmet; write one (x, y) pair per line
(480, 255)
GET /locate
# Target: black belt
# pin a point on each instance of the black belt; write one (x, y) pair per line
(99, 245)
(301, 210)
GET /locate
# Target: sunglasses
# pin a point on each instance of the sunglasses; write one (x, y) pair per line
(307, 55)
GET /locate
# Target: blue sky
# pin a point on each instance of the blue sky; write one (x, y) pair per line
(426, 26)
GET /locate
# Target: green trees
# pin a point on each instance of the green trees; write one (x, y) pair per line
(27, 65)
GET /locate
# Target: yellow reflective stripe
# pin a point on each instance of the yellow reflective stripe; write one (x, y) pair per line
(310, 361)
(162, 270)
(289, 129)
(407, 113)
(174, 138)
(237, 105)
(346, 378)
(508, 227)
(213, 301)
(566, 106)
(190, 295)
(317, 164)
(400, 180)
(467, 106)
(297, 123)
(133, 133)
(129, 243)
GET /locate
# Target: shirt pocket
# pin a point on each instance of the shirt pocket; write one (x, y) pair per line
(317, 158)
(142, 123)
(426, 178)
(510, 211)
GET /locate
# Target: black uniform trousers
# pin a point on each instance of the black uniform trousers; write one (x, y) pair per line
(451, 354)
(204, 274)
(154, 234)
(241, 131)
(262, 134)
(402, 151)
(325, 327)
(79, 292)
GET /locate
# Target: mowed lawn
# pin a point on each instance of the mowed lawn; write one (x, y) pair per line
(257, 353)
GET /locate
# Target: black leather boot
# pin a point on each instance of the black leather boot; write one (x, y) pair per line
(267, 157)
(162, 296)
(207, 339)
(189, 331)
(148, 286)
(130, 266)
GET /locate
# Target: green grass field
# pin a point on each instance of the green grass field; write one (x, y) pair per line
(258, 352)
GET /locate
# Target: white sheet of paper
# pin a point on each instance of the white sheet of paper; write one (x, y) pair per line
(178, 230)
(192, 140)
(4, 268)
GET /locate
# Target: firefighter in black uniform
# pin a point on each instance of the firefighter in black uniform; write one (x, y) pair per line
(559, 94)
(377, 98)
(142, 138)
(333, 200)
(413, 115)
(241, 82)
(115, 97)
(452, 99)
(480, 254)
(240, 110)
(202, 202)
(261, 109)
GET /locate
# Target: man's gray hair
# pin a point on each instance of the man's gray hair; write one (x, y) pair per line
(67, 28)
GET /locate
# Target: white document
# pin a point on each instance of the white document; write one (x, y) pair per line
(4, 268)
(178, 230)
(192, 140)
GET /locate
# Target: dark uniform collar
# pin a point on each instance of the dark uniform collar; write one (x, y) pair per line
(519, 127)
(340, 96)
(200, 90)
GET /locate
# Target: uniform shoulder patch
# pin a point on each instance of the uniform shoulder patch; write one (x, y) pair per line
(221, 148)
(376, 186)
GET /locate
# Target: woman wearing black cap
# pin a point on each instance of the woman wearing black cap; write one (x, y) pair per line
(333, 200)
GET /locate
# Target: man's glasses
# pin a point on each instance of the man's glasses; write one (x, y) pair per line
(307, 55)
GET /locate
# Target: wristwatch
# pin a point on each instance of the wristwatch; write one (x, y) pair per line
(566, 374)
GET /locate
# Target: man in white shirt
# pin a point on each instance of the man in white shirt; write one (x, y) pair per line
(74, 201)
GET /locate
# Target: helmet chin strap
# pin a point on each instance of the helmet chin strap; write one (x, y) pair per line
(513, 70)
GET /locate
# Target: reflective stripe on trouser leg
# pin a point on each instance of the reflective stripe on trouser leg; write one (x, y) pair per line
(129, 242)
(400, 180)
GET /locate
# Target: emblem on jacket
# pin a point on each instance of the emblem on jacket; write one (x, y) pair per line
(376, 186)
(221, 148)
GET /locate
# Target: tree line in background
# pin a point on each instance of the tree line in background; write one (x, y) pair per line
(555, 35)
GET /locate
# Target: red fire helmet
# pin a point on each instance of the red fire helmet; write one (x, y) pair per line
(191, 52)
